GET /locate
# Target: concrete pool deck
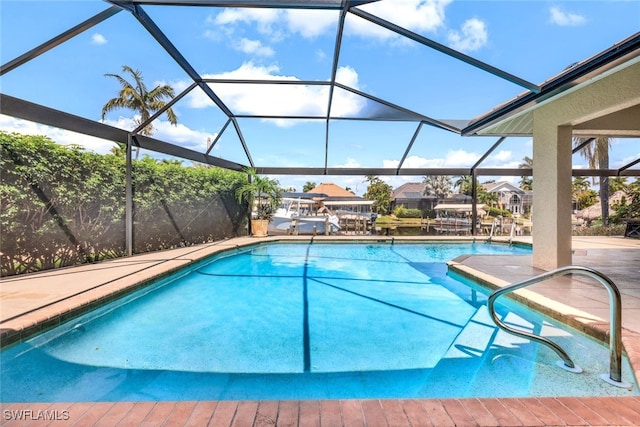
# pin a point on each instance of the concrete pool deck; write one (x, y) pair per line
(37, 301)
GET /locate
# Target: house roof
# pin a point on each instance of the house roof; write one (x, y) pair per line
(494, 187)
(331, 190)
(409, 190)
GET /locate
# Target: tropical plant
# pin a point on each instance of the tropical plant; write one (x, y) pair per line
(402, 212)
(629, 206)
(486, 198)
(583, 195)
(135, 96)
(464, 183)
(579, 185)
(597, 154)
(308, 186)
(380, 192)
(262, 194)
(437, 185)
(526, 182)
(62, 205)
(587, 198)
(617, 183)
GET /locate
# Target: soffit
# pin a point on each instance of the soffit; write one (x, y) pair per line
(622, 119)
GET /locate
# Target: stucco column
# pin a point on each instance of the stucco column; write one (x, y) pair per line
(551, 192)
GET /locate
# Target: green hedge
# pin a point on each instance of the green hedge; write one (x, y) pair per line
(61, 205)
(402, 212)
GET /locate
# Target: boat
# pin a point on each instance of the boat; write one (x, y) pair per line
(455, 218)
(303, 216)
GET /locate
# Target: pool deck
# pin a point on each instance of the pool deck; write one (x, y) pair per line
(38, 301)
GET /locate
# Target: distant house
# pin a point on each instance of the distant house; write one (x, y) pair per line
(331, 190)
(342, 201)
(511, 198)
(411, 196)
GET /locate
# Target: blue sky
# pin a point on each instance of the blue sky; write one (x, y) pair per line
(533, 40)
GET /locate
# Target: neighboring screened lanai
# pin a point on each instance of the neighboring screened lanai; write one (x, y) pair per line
(286, 119)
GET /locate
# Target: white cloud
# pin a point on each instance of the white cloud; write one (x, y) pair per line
(460, 158)
(277, 100)
(254, 47)
(413, 162)
(61, 136)
(472, 36)
(350, 163)
(502, 156)
(163, 130)
(246, 15)
(565, 19)
(277, 24)
(453, 159)
(98, 39)
(321, 55)
(213, 34)
(415, 15)
(310, 23)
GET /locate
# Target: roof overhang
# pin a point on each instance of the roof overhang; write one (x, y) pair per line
(619, 66)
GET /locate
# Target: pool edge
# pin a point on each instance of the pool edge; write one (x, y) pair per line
(22, 327)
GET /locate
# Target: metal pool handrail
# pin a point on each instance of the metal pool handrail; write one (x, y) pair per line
(615, 318)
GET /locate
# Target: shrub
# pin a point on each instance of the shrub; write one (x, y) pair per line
(402, 212)
(629, 206)
(600, 230)
(62, 205)
(494, 212)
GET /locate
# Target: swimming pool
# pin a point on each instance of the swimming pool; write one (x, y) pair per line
(305, 321)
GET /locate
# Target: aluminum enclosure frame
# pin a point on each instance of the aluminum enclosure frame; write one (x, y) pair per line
(534, 94)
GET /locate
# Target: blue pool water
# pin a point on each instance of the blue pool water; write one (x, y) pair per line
(305, 321)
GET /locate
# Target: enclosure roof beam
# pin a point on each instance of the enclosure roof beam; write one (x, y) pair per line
(215, 141)
(582, 145)
(411, 115)
(433, 171)
(406, 152)
(26, 110)
(242, 141)
(169, 47)
(59, 39)
(628, 165)
(334, 71)
(485, 155)
(165, 108)
(263, 4)
(444, 49)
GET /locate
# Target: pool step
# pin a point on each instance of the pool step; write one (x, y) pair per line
(479, 350)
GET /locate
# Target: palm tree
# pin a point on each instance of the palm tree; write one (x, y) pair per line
(437, 185)
(465, 184)
(580, 185)
(135, 96)
(526, 182)
(308, 186)
(581, 192)
(617, 183)
(597, 154)
(487, 198)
